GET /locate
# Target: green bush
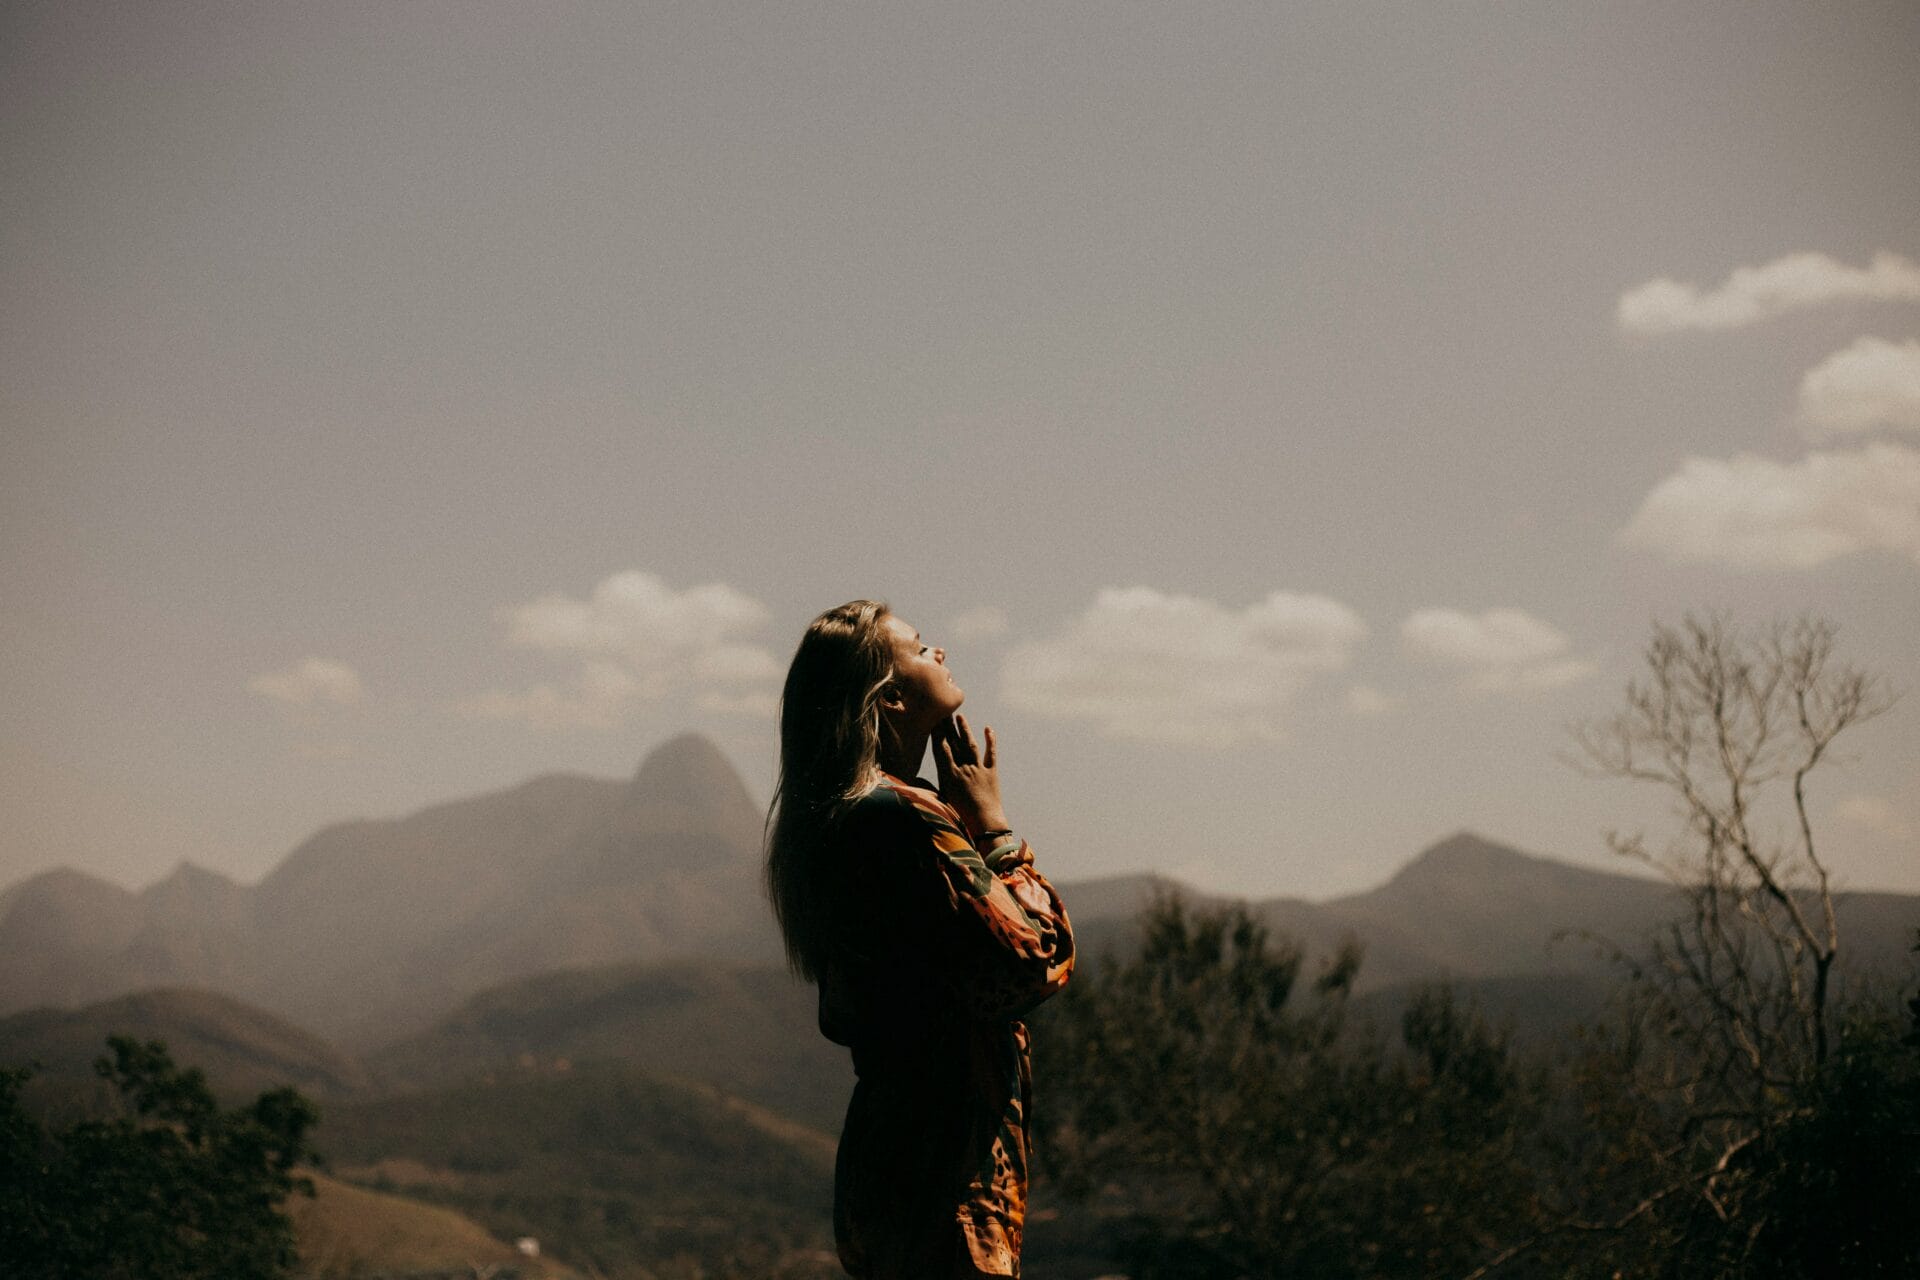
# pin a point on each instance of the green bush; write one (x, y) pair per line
(170, 1188)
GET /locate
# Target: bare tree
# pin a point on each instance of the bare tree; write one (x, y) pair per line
(1705, 1109)
(1731, 1015)
(1731, 725)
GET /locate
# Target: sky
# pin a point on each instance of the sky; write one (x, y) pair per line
(1291, 419)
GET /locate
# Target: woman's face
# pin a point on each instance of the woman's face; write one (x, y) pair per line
(925, 686)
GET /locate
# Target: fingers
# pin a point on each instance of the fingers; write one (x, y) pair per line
(965, 735)
(992, 757)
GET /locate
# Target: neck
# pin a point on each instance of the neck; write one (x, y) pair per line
(902, 757)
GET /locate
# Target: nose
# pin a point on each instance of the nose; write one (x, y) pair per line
(940, 656)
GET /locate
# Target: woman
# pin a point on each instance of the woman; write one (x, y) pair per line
(920, 915)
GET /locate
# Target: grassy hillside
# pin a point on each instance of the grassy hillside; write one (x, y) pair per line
(612, 1169)
(349, 1232)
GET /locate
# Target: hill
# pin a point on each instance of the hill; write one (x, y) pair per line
(611, 1168)
(372, 933)
(243, 1050)
(345, 1232)
(370, 929)
(747, 1030)
(1469, 908)
(62, 935)
(601, 1053)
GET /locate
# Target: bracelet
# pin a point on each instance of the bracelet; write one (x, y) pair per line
(998, 833)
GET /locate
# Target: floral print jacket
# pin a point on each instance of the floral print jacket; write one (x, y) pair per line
(939, 949)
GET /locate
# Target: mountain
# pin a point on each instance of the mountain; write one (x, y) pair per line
(1464, 908)
(379, 926)
(748, 1030)
(61, 938)
(243, 1050)
(195, 927)
(1470, 909)
(371, 929)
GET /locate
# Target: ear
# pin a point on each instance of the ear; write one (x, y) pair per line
(892, 700)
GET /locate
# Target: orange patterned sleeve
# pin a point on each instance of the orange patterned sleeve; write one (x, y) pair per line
(1007, 942)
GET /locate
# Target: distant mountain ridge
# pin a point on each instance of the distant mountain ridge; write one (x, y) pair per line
(371, 932)
(562, 1003)
(372, 928)
(1469, 908)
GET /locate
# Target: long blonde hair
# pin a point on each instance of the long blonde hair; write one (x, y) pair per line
(829, 757)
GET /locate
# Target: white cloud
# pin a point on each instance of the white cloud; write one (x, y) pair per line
(734, 665)
(1147, 665)
(639, 618)
(638, 640)
(598, 696)
(976, 625)
(1498, 637)
(1873, 383)
(1755, 513)
(1752, 294)
(1496, 650)
(310, 681)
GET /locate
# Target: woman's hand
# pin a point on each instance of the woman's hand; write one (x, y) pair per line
(969, 777)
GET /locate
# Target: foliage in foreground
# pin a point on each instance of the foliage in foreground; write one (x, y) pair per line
(173, 1187)
(1233, 1128)
(1226, 1123)
(1825, 1186)
(1744, 1121)
(1739, 1120)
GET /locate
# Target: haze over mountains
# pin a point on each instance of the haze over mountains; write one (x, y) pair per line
(369, 929)
(560, 1008)
(371, 933)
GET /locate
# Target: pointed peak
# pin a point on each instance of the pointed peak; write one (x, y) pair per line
(1468, 863)
(188, 872)
(1467, 844)
(189, 882)
(687, 785)
(685, 753)
(687, 769)
(1463, 853)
